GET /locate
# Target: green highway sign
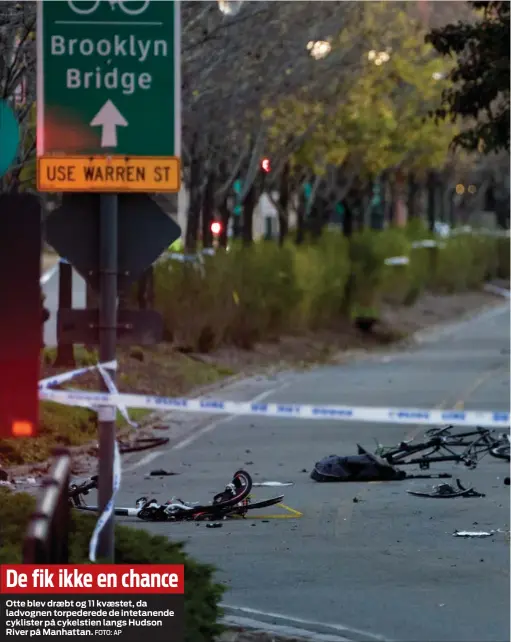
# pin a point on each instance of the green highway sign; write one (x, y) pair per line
(108, 86)
(9, 137)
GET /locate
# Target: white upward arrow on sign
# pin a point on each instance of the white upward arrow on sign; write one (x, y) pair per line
(109, 117)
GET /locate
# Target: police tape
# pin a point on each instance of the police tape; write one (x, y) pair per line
(102, 368)
(415, 416)
(110, 506)
(99, 401)
(58, 380)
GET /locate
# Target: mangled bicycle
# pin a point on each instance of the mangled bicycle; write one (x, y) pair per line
(447, 444)
(233, 501)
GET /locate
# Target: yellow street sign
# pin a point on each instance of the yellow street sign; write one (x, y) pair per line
(108, 174)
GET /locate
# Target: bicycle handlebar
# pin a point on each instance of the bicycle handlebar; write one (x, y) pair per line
(82, 489)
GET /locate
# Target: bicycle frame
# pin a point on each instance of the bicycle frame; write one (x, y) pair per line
(441, 441)
(399, 456)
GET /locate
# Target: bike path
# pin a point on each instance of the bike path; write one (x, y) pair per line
(385, 566)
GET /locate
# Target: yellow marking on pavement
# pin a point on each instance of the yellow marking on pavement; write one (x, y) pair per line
(291, 510)
(277, 516)
(290, 514)
(460, 403)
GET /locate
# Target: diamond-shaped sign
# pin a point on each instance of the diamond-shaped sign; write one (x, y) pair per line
(144, 232)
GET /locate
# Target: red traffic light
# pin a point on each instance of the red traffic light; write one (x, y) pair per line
(265, 165)
(216, 227)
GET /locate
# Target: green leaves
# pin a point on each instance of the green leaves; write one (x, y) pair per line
(481, 76)
(378, 119)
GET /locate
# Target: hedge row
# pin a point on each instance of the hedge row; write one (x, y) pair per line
(132, 546)
(262, 292)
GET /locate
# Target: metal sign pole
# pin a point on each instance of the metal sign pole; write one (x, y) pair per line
(108, 209)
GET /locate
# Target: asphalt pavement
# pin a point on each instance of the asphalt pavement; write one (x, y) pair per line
(384, 567)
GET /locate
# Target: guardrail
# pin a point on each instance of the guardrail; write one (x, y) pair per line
(46, 539)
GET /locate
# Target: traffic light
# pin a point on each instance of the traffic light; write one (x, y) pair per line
(216, 228)
(266, 165)
(20, 314)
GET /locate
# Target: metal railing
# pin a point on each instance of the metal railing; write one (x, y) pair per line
(46, 539)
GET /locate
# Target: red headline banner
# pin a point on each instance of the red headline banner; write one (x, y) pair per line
(88, 578)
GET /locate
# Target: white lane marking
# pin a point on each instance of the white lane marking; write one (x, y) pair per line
(313, 623)
(147, 459)
(288, 631)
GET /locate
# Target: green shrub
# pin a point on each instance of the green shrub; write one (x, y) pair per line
(464, 263)
(322, 270)
(266, 292)
(260, 293)
(484, 260)
(82, 356)
(416, 229)
(59, 425)
(132, 546)
(196, 303)
(503, 260)
(372, 280)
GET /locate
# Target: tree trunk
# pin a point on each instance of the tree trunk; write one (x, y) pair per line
(208, 211)
(225, 216)
(347, 221)
(431, 187)
(413, 189)
(249, 206)
(223, 207)
(194, 207)
(284, 195)
(300, 218)
(399, 208)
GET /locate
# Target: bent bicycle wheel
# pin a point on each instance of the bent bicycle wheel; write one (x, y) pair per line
(500, 452)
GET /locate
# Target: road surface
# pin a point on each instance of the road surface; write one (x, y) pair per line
(386, 567)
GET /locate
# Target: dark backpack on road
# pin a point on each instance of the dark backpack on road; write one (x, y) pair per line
(364, 467)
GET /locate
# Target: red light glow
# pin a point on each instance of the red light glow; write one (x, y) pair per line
(22, 428)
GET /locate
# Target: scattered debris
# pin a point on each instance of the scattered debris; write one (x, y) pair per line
(270, 484)
(161, 473)
(506, 481)
(144, 443)
(446, 491)
(430, 476)
(214, 525)
(473, 533)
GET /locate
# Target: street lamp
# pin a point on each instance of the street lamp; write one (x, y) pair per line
(229, 7)
(379, 57)
(319, 49)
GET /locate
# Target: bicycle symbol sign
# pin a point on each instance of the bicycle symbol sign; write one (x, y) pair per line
(129, 7)
(109, 87)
